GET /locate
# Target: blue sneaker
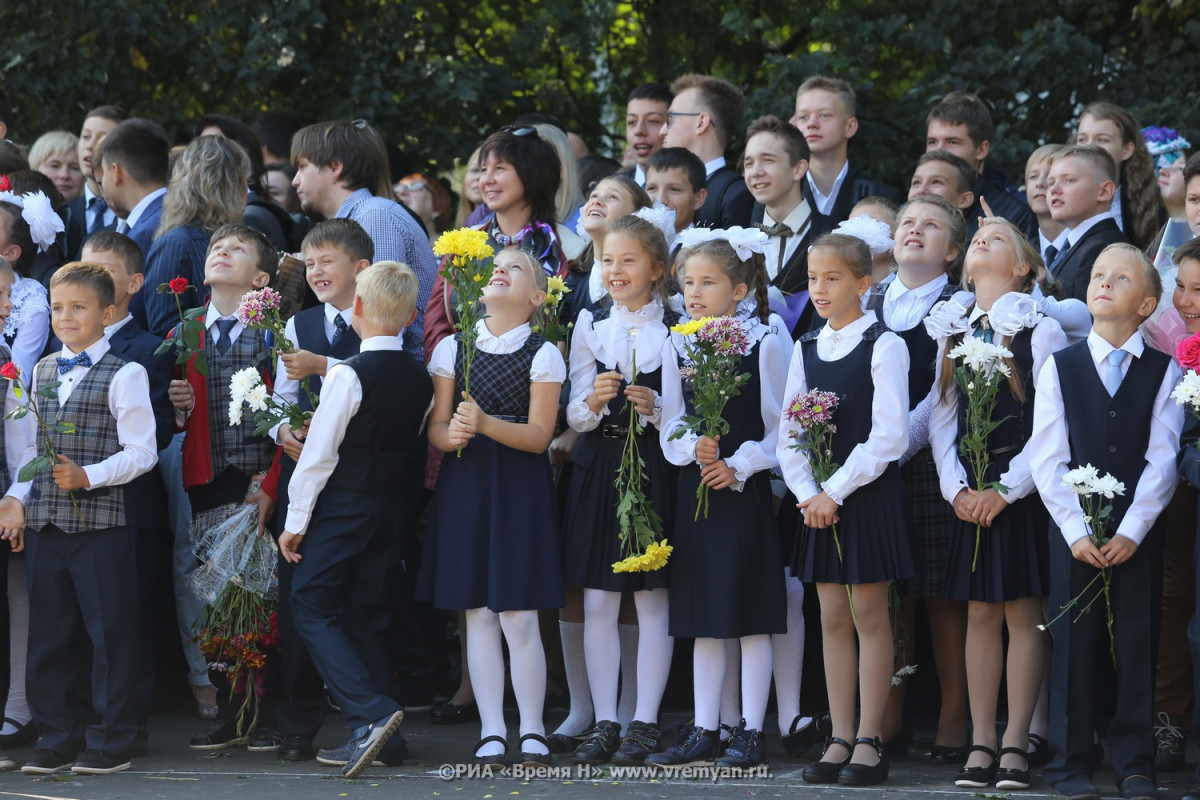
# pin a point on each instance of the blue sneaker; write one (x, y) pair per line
(393, 753)
(368, 740)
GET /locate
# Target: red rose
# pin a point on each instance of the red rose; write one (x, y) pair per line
(178, 285)
(5, 186)
(9, 371)
(1188, 352)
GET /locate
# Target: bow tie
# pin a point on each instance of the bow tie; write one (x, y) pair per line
(778, 229)
(65, 365)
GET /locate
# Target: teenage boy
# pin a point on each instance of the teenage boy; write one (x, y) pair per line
(825, 109)
(221, 460)
(344, 516)
(962, 124)
(675, 178)
(1106, 402)
(81, 547)
(942, 173)
(703, 117)
(774, 166)
(645, 114)
(89, 212)
(337, 166)
(335, 252)
(134, 158)
(1081, 186)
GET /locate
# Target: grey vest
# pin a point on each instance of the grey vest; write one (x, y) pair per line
(234, 445)
(94, 440)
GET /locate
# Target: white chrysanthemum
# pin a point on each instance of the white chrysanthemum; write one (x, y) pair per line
(1108, 486)
(1081, 479)
(241, 383)
(257, 398)
(982, 357)
(1187, 393)
(235, 413)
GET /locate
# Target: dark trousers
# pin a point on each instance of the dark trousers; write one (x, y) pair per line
(298, 699)
(1086, 694)
(80, 590)
(339, 605)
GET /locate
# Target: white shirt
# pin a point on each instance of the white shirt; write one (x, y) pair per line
(1071, 314)
(1076, 233)
(714, 165)
(1059, 243)
(889, 413)
(824, 202)
(905, 308)
(610, 344)
(129, 403)
(1047, 338)
(548, 365)
(286, 388)
(1051, 453)
(1115, 210)
(639, 175)
(596, 290)
(797, 221)
(774, 352)
(214, 333)
(140, 208)
(341, 396)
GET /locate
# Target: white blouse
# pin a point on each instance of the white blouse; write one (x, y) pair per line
(889, 413)
(548, 365)
(774, 351)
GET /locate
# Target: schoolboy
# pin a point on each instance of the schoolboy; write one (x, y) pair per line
(220, 460)
(675, 178)
(1080, 187)
(335, 252)
(961, 123)
(774, 168)
(144, 506)
(645, 113)
(90, 212)
(943, 173)
(1106, 401)
(825, 115)
(81, 547)
(344, 512)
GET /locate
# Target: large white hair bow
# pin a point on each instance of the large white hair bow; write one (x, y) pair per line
(661, 217)
(877, 235)
(744, 241)
(44, 223)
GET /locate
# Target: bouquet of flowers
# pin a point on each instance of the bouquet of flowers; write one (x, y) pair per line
(1187, 393)
(187, 336)
(1095, 492)
(979, 376)
(641, 527)
(240, 626)
(715, 346)
(48, 456)
(813, 412)
(545, 320)
(246, 388)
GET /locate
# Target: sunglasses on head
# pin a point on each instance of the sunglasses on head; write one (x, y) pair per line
(525, 130)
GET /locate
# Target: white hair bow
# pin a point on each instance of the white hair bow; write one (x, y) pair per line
(877, 235)
(661, 217)
(744, 241)
(44, 223)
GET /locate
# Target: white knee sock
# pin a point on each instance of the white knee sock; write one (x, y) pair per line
(579, 718)
(602, 648)
(16, 708)
(731, 696)
(655, 647)
(629, 682)
(527, 669)
(708, 673)
(756, 679)
(485, 657)
(787, 655)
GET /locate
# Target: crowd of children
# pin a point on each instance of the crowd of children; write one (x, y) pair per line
(915, 393)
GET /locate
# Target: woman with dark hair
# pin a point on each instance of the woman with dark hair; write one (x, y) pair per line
(262, 213)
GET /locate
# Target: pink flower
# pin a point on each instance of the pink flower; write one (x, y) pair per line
(726, 335)
(1188, 352)
(811, 409)
(254, 308)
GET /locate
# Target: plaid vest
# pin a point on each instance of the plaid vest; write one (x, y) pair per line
(235, 445)
(94, 440)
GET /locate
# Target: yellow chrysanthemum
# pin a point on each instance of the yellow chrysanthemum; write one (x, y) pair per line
(690, 327)
(557, 286)
(463, 243)
(655, 557)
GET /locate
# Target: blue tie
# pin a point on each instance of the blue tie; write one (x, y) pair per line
(100, 208)
(224, 326)
(65, 365)
(1056, 265)
(340, 328)
(1112, 373)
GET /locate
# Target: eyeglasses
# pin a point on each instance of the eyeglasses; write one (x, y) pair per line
(672, 114)
(412, 186)
(524, 131)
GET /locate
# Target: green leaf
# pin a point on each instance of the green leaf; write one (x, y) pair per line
(63, 426)
(28, 471)
(201, 363)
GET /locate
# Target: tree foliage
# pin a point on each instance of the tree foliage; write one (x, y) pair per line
(437, 77)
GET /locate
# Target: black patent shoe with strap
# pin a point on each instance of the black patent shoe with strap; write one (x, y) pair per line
(866, 774)
(827, 771)
(978, 777)
(492, 763)
(1007, 779)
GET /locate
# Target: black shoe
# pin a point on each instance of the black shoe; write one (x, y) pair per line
(1138, 787)
(533, 760)
(866, 774)
(1040, 755)
(1168, 745)
(48, 762)
(797, 742)
(492, 763)
(450, 714)
(219, 737)
(297, 748)
(562, 743)
(745, 749)
(264, 739)
(100, 762)
(1012, 778)
(1076, 789)
(698, 747)
(23, 736)
(370, 739)
(641, 739)
(599, 743)
(978, 777)
(948, 755)
(141, 742)
(827, 771)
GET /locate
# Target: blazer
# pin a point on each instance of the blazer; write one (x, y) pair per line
(856, 186)
(1075, 270)
(729, 202)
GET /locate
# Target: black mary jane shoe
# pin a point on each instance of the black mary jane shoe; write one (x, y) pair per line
(492, 763)
(948, 755)
(451, 714)
(1039, 756)
(866, 774)
(1013, 778)
(827, 771)
(797, 741)
(560, 743)
(978, 777)
(533, 760)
